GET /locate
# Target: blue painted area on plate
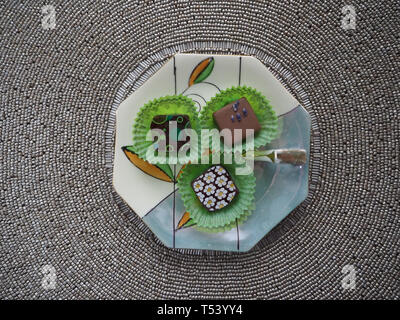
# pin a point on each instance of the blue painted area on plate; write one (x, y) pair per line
(160, 220)
(280, 189)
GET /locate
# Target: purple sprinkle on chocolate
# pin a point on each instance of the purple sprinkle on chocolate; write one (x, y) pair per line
(238, 116)
(235, 106)
(244, 112)
(233, 118)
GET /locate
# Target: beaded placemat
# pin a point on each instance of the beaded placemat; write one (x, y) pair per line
(67, 66)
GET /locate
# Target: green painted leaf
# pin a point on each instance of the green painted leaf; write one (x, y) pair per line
(159, 171)
(201, 71)
(206, 72)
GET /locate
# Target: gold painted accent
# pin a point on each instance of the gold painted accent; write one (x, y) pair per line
(198, 69)
(185, 219)
(180, 171)
(146, 167)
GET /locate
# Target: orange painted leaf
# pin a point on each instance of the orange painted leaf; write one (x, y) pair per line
(185, 221)
(201, 71)
(162, 172)
(180, 171)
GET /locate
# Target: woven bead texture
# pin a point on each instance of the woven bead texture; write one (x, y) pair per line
(59, 91)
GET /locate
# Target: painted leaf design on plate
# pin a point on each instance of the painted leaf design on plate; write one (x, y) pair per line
(180, 171)
(185, 221)
(159, 171)
(201, 71)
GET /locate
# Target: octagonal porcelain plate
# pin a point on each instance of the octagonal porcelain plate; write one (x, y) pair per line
(280, 187)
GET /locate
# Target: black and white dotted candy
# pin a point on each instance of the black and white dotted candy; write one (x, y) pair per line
(215, 188)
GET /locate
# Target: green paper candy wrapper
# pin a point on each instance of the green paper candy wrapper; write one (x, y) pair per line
(168, 105)
(229, 226)
(263, 110)
(220, 220)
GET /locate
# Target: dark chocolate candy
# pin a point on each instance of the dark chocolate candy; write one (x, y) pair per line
(215, 188)
(237, 115)
(162, 122)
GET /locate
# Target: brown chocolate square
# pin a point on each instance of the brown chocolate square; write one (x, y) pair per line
(162, 122)
(237, 115)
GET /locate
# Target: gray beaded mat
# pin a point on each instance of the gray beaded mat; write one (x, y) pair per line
(66, 234)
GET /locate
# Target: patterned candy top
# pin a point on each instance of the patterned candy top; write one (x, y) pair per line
(215, 188)
(162, 122)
